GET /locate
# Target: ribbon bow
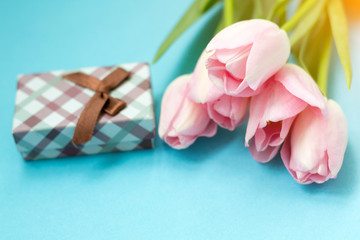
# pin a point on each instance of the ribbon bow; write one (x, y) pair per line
(101, 100)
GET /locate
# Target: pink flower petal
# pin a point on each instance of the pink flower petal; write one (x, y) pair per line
(280, 103)
(173, 96)
(228, 38)
(273, 104)
(263, 156)
(300, 84)
(236, 65)
(201, 89)
(337, 136)
(179, 141)
(192, 118)
(210, 130)
(286, 125)
(268, 54)
(307, 141)
(228, 111)
(257, 109)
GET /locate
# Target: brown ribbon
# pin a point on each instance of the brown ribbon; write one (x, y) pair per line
(101, 100)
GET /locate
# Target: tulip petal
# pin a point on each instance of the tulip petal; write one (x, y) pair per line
(337, 136)
(268, 136)
(280, 103)
(228, 111)
(286, 125)
(257, 109)
(232, 85)
(299, 176)
(263, 156)
(268, 54)
(237, 64)
(300, 84)
(273, 104)
(273, 131)
(323, 168)
(216, 72)
(260, 139)
(228, 38)
(180, 141)
(192, 118)
(239, 107)
(201, 89)
(307, 140)
(210, 130)
(286, 155)
(173, 96)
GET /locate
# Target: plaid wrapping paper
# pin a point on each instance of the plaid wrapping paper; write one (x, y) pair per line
(48, 107)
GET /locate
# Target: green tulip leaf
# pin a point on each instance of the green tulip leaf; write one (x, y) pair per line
(221, 25)
(228, 12)
(281, 15)
(258, 9)
(324, 63)
(307, 22)
(339, 29)
(242, 10)
(304, 8)
(196, 10)
(278, 8)
(309, 51)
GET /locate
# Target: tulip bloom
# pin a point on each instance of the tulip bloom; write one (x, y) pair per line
(314, 150)
(182, 121)
(227, 111)
(273, 111)
(246, 54)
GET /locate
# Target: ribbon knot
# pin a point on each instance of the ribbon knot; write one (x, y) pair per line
(100, 101)
(103, 89)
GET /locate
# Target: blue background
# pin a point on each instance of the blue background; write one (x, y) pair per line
(213, 190)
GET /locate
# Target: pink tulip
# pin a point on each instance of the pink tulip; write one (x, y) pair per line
(245, 55)
(227, 111)
(273, 111)
(182, 121)
(314, 150)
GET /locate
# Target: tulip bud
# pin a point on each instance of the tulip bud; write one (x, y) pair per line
(227, 111)
(314, 150)
(182, 121)
(273, 111)
(245, 55)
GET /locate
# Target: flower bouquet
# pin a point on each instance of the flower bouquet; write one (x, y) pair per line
(244, 73)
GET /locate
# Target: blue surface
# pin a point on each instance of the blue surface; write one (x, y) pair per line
(213, 190)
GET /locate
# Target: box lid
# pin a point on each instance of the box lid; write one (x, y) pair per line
(48, 107)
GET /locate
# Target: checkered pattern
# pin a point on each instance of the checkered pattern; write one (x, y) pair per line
(48, 107)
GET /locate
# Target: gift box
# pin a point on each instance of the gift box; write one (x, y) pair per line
(48, 107)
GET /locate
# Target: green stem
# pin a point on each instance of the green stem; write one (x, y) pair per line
(228, 12)
(304, 8)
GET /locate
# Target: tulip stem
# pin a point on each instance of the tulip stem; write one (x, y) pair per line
(228, 12)
(303, 10)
